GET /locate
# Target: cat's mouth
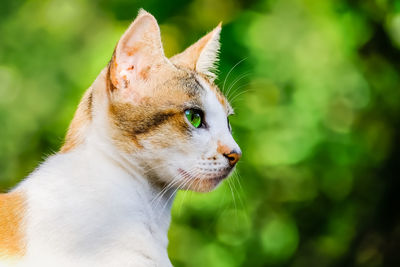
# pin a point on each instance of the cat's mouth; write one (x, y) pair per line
(205, 182)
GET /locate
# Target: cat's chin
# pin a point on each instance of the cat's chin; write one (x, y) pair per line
(202, 184)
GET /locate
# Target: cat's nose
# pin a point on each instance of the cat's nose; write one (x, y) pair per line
(233, 157)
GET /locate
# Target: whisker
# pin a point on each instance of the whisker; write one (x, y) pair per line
(226, 77)
(233, 194)
(241, 93)
(174, 192)
(242, 76)
(235, 179)
(237, 90)
(244, 207)
(160, 195)
(232, 96)
(190, 185)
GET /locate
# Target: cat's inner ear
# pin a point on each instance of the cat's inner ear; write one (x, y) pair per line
(138, 51)
(202, 56)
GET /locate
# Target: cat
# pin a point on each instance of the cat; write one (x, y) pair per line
(147, 127)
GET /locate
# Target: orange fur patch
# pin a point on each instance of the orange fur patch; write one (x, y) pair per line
(144, 73)
(223, 149)
(112, 80)
(138, 122)
(12, 209)
(220, 96)
(81, 120)
(133, 50)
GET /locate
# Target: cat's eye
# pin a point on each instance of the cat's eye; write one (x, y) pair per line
(195, 117)
(229, 124)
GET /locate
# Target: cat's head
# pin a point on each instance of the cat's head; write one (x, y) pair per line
(167, 114)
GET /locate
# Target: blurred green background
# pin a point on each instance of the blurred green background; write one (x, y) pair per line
(316, 89)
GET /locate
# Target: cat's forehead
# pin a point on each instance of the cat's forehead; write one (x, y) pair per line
(213, 89)
(195, 87)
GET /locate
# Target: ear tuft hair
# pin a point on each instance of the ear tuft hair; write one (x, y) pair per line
(207, 62)
(202, 56)
(143, 12)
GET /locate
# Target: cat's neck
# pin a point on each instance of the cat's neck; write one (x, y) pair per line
(154, 195)
(88, 138)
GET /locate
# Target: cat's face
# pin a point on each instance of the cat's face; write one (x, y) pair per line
(167, 114)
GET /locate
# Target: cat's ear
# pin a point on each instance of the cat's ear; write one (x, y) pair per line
(138, 51)
(201, 56)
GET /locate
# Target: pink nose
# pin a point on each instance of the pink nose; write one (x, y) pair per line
(233, 157)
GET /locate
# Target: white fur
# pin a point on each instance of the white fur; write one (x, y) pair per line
(86, 210)
(208, 59)
(90, 208)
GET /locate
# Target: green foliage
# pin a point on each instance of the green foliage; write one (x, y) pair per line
(316, 92)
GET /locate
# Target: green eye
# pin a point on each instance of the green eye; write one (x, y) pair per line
(195, 117)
